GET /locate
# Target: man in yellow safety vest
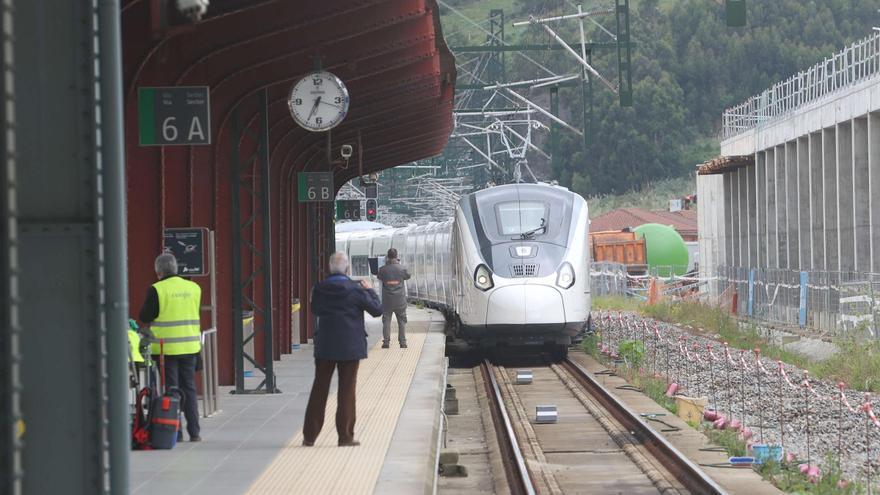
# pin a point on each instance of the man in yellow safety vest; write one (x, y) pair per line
(172, 310)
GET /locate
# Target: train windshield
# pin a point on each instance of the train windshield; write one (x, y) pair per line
(520, 217)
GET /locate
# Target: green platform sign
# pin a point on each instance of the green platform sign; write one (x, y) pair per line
(348, 209)
(176, 115)
(314, 187)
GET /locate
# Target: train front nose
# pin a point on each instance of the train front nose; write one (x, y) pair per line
(525, 305)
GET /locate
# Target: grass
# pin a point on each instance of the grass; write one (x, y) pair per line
(728, 439)
(651, 196)
(617, 303)
(655, 388)
(789, 479)
(857, 363)
(590, 345)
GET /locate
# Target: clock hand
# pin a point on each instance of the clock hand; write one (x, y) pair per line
(331, 104)
(314, 108)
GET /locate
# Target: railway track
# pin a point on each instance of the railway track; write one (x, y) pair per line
(598, 444)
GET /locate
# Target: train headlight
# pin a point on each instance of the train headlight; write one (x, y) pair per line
(483, 278)
(565, 277)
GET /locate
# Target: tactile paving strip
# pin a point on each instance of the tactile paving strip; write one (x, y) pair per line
(383, 383)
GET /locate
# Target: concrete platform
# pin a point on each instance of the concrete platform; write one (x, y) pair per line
(253, 444)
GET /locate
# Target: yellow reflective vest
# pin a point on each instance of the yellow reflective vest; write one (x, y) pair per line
(134, 342)
(178, 321)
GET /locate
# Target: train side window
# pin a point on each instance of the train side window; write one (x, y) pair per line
(360, 266)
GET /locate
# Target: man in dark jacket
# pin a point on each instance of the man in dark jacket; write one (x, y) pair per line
(392, 275)
(340, 343)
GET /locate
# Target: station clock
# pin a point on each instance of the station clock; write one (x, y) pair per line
(318, 102)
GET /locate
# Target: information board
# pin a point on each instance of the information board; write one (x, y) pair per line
(314, 186)
(348, 209)
(188, 246)
(175, 115)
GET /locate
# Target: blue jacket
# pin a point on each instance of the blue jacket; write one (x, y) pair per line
(339, 303)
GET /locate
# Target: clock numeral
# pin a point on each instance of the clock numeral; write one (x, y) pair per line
(298, 101)
(317, 81)
(319, 120)
(337, 100)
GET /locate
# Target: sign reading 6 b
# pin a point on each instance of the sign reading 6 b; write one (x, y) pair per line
(314, 186)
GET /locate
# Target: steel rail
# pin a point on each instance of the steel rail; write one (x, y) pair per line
(518, 477)
(686, 472)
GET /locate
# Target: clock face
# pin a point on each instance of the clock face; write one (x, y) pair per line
(318, 101)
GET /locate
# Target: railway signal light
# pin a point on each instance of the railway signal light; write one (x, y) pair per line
(372, 210)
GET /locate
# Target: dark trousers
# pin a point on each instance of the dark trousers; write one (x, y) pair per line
(400, 313)
(345, 400)
(180, 372)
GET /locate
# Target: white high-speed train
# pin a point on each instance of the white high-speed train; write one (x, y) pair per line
(511, 268)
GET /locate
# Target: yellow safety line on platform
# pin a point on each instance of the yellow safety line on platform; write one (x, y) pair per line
(383, 383)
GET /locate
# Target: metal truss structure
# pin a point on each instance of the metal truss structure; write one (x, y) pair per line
(499, 124)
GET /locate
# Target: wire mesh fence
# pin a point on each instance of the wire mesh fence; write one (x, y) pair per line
(827, 303)
(832, 303)
(608, 279)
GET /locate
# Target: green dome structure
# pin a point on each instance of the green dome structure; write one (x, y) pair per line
(666, 251)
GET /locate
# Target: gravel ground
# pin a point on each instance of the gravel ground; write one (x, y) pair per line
(811, 428)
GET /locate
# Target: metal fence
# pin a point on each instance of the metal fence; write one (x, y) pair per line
(834, 303)
(852, 65)
(616, 279)
(608, 279)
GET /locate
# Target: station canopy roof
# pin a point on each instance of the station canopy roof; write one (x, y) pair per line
(390, 53)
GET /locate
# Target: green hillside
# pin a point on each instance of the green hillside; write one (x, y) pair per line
(688, 66)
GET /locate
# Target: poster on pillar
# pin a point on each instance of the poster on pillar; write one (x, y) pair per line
(188, 245)
(175, 115)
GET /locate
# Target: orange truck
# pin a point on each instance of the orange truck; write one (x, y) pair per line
(619, 247)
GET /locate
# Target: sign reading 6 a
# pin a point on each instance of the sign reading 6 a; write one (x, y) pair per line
(177, 115)
(314, 186)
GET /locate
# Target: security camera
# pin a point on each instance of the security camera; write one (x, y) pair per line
(193, 9)
(346, 151)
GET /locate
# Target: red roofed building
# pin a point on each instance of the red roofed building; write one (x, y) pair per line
(683, 221)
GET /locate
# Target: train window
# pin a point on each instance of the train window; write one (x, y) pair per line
(360, 266)
(517, 217)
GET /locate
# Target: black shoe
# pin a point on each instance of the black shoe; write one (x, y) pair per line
(353, 443)
(308, 444)
(385, 345)
(403, 345)
(195, 439)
